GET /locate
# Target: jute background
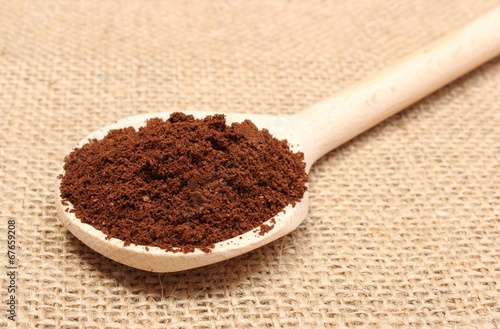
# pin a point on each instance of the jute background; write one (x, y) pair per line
(404, 225)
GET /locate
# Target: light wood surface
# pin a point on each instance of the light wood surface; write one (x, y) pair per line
(316, 131)
(363, 105)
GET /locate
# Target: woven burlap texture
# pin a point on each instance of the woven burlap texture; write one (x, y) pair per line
(403, 229)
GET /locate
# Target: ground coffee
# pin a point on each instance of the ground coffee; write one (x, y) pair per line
(182, 183)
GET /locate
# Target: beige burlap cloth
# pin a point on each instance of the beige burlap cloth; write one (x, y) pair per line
(403, 229)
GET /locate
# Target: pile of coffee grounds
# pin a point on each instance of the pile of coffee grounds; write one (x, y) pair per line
(182, 183)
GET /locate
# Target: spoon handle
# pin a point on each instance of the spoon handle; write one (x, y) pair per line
(354, 110)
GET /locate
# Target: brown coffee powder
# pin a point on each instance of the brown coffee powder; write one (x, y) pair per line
(183, 183)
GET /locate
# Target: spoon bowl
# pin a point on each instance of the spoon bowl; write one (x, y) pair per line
(314, 131)
(155, 259)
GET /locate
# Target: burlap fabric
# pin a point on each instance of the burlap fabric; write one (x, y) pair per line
(403, 229)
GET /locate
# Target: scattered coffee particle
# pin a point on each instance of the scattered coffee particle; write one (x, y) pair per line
(183, 183)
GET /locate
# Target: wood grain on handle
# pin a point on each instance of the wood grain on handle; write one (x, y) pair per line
(356, 109)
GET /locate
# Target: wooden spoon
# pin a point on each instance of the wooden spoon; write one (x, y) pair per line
(314, 131)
